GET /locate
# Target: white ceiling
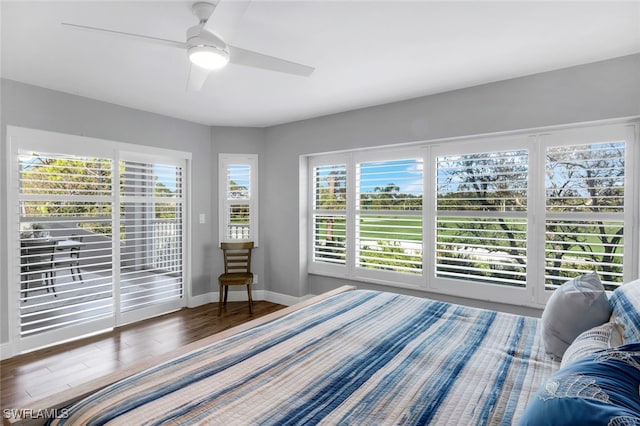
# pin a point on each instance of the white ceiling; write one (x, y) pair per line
(365, 52)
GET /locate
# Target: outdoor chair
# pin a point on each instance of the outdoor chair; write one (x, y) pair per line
(237, 271)
(71, 258)
(37, 258)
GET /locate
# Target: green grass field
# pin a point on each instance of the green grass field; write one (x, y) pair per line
(410, 229)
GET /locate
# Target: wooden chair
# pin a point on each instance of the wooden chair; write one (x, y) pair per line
(237, 270)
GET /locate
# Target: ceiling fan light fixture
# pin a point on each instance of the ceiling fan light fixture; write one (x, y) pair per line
(208, 57)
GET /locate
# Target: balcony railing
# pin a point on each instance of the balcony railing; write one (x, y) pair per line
(166, 245)
(238, 232)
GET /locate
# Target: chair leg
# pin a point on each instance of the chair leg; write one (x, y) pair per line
(250, 298)
(44, 279)
(47, 281)
(74, 269)
(52, 276)
(220, 290)
(26, 286)
(226, 293)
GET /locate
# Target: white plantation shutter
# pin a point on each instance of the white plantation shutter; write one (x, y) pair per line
(151, 216)
(238, 198)
(585, 202)
(100, 229)
(64, 199)
(389, 215)
(238, 211)
(505, 218)
(481, 224)
(329, 214)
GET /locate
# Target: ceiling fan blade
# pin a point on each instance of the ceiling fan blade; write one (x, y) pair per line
(258, 60)
(225, 18)
(156, 40)
(197, 77)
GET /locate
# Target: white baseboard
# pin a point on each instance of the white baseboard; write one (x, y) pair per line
(284, 299)
(239, 296)
(201, 299)
(5, 351)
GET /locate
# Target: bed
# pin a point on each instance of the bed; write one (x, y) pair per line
(350, 357)
(354, 357)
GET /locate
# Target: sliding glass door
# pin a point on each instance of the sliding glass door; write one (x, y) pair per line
(65, 243)
(101, 235)
(151, 228)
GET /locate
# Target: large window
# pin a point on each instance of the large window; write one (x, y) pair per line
(504, 218)
(481, 222)
(367, 215)
(389, 215)
(585, 205)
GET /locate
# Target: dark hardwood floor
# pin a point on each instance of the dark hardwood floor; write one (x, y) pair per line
(29, 377)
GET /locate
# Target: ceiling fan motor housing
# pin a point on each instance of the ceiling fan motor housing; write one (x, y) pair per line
(197, 36)
(202, 42)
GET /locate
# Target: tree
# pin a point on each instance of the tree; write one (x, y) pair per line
(584, 179)
(69, 177)
(81, 181)
(486, 182)
(588, 180)
(331, 194)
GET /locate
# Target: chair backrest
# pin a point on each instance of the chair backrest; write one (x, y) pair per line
(237, 257)
(38, 254)
(75, 250)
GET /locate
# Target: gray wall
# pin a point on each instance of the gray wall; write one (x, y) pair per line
(601, 90)
(38, 108)
(237, 140)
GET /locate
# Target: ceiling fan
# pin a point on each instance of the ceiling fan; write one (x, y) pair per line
(206, 45)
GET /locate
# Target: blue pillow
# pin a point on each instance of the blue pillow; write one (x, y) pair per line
(625, 302)
(601, 389)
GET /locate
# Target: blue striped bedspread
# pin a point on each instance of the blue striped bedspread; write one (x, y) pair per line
(359, 358)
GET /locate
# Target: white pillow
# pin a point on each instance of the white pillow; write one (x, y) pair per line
(605, 336)
(576, 306)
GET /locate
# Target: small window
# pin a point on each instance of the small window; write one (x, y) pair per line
(238, 191)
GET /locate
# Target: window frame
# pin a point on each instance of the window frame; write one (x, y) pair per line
(323, 268)
(225, 160)
(375, 275)
(35, 140)
(475, 289)
(599, 134)
(533, 294)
